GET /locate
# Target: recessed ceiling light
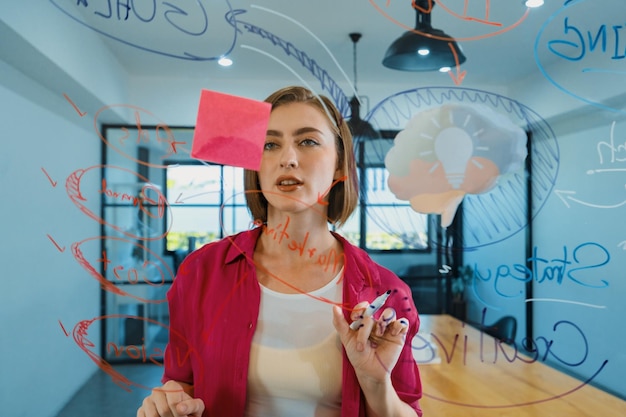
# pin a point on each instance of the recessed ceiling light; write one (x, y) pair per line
(225, 61)
(533, 3)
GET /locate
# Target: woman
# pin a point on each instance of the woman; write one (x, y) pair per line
(259, 321)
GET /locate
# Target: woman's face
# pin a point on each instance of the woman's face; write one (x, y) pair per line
(299, 163)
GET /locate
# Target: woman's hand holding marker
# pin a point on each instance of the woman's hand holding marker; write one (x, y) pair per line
(373, 345)
(370, 310)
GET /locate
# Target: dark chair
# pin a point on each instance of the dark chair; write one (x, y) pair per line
(504, 329)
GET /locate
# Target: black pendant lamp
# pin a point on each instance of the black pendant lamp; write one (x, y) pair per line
(429, 50)
(360, 128)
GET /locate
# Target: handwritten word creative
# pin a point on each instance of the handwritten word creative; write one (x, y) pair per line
(469, 346)
(541, 348)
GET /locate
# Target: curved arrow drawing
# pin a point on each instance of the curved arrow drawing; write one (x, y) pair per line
(567, 195)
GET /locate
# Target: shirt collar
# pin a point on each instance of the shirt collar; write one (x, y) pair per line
(358, 266)
(242, 244)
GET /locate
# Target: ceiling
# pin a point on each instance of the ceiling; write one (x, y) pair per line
(497, 38)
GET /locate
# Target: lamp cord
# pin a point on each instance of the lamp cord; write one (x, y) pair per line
(355, 38)
(356, 89)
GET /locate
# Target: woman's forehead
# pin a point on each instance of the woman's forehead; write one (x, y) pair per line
(298, 115)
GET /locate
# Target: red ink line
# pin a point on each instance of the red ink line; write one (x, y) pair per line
(465, 17)
(61, 249)
(64, 331)
(421, 9)
(54, 183)
(460, 75)
(81, 114)
(320, 197)
(458, 39)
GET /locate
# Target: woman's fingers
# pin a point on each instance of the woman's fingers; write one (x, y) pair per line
(400, 327)
(385, 319)
(170, 400)
(193, 407)
(358, 310)
(386, 328)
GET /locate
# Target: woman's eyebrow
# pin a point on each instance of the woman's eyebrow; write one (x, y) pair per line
(274, 133)
(303, 130)
(300, 131)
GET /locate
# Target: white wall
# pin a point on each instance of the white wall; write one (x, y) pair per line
(43, 287)
(46, 292)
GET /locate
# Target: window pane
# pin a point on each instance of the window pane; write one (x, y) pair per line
(351, 230)
(233, 186)
(377, 190)
(194, 184)
(395, 227)
(235, 219)
(137, 325)
(201, 223)
(391, 224)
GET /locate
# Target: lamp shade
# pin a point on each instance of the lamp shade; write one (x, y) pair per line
(403, 53)
(425, 48)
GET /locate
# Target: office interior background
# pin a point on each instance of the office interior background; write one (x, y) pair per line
(94, 91)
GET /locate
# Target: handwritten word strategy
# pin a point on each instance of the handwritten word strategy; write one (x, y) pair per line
(580, 269)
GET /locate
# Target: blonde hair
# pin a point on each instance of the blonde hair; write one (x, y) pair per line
(343, 196)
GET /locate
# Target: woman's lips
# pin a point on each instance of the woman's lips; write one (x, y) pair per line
(287, 184)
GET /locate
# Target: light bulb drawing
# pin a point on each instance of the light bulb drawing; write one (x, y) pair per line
(449, 151)
(454, 148)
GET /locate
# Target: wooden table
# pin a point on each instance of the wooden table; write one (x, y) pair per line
(471, 380)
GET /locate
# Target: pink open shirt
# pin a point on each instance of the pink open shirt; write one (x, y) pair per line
(214, 305)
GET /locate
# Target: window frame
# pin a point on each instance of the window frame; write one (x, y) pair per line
(220, 205)
(362, 167)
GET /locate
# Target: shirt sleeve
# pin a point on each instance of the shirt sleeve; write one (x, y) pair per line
(177, 359)
(405, 375)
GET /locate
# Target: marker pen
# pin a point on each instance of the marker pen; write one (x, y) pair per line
(373, 308)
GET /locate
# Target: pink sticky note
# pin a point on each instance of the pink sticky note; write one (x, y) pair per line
(230, 130)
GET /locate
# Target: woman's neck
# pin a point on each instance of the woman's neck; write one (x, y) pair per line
(292, 237)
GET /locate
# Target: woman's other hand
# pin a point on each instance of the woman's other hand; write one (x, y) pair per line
(173, 399)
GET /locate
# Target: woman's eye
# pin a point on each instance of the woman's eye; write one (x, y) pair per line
(269, 146)
(309, 142)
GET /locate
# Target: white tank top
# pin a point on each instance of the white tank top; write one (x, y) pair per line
(295, 358)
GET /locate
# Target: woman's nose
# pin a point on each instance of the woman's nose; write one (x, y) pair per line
(288, 158)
